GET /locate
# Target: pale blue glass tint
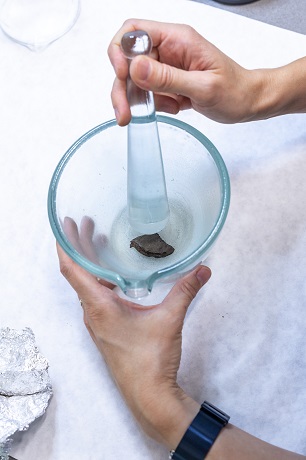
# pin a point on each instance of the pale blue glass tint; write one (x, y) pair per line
(91, 180)
(148, 207)
(147, 196)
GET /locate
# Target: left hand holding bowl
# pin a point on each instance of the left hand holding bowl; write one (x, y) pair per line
(141, 345)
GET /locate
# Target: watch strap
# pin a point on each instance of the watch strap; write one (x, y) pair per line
(201, 433)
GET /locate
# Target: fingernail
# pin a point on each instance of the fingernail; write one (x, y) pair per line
(203, 275)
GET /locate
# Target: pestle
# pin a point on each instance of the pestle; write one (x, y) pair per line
(147, 202)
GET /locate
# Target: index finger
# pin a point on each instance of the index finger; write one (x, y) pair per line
(84, 284)
(154, 28)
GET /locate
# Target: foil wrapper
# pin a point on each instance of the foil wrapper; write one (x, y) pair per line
(25, 386)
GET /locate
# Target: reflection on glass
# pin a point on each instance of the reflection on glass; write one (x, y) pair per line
(37, 23)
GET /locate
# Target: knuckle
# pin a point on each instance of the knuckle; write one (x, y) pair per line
(189, 290)
(189, 31)
(94, 313)
(66, 269)
(129, 24)
(166, 77)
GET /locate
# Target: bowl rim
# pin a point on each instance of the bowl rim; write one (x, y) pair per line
(109, 275)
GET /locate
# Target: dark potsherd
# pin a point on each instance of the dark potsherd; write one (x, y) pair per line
(152, 246)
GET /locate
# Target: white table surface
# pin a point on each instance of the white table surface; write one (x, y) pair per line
(244, 338)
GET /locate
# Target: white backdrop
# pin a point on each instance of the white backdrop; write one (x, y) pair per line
(244, 339)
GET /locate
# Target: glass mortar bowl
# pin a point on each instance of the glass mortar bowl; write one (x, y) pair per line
(87, 205)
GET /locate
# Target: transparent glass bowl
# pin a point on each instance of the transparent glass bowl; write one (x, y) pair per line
(37, 23)
(88, 213)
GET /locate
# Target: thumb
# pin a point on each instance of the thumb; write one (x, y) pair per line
(153, 75)
(186, 289)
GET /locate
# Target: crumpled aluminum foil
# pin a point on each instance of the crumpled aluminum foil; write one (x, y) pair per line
(25, 386)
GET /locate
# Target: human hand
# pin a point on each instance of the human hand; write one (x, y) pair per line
(83, 240)
(142, 347)
(184, 71)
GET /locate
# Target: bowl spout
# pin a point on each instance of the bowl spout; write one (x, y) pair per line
(137, 289)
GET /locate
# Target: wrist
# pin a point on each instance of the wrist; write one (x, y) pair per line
(262, 92)
(202, 433)
(166, 416)
(278, 91)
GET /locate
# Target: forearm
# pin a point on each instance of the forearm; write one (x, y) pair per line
(235, 444)
(278, 91)
(169, 425)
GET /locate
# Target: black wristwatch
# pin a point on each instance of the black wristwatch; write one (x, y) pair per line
(201, 434)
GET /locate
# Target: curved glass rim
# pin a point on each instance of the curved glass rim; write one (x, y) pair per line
(182, 264)
(46, 41)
